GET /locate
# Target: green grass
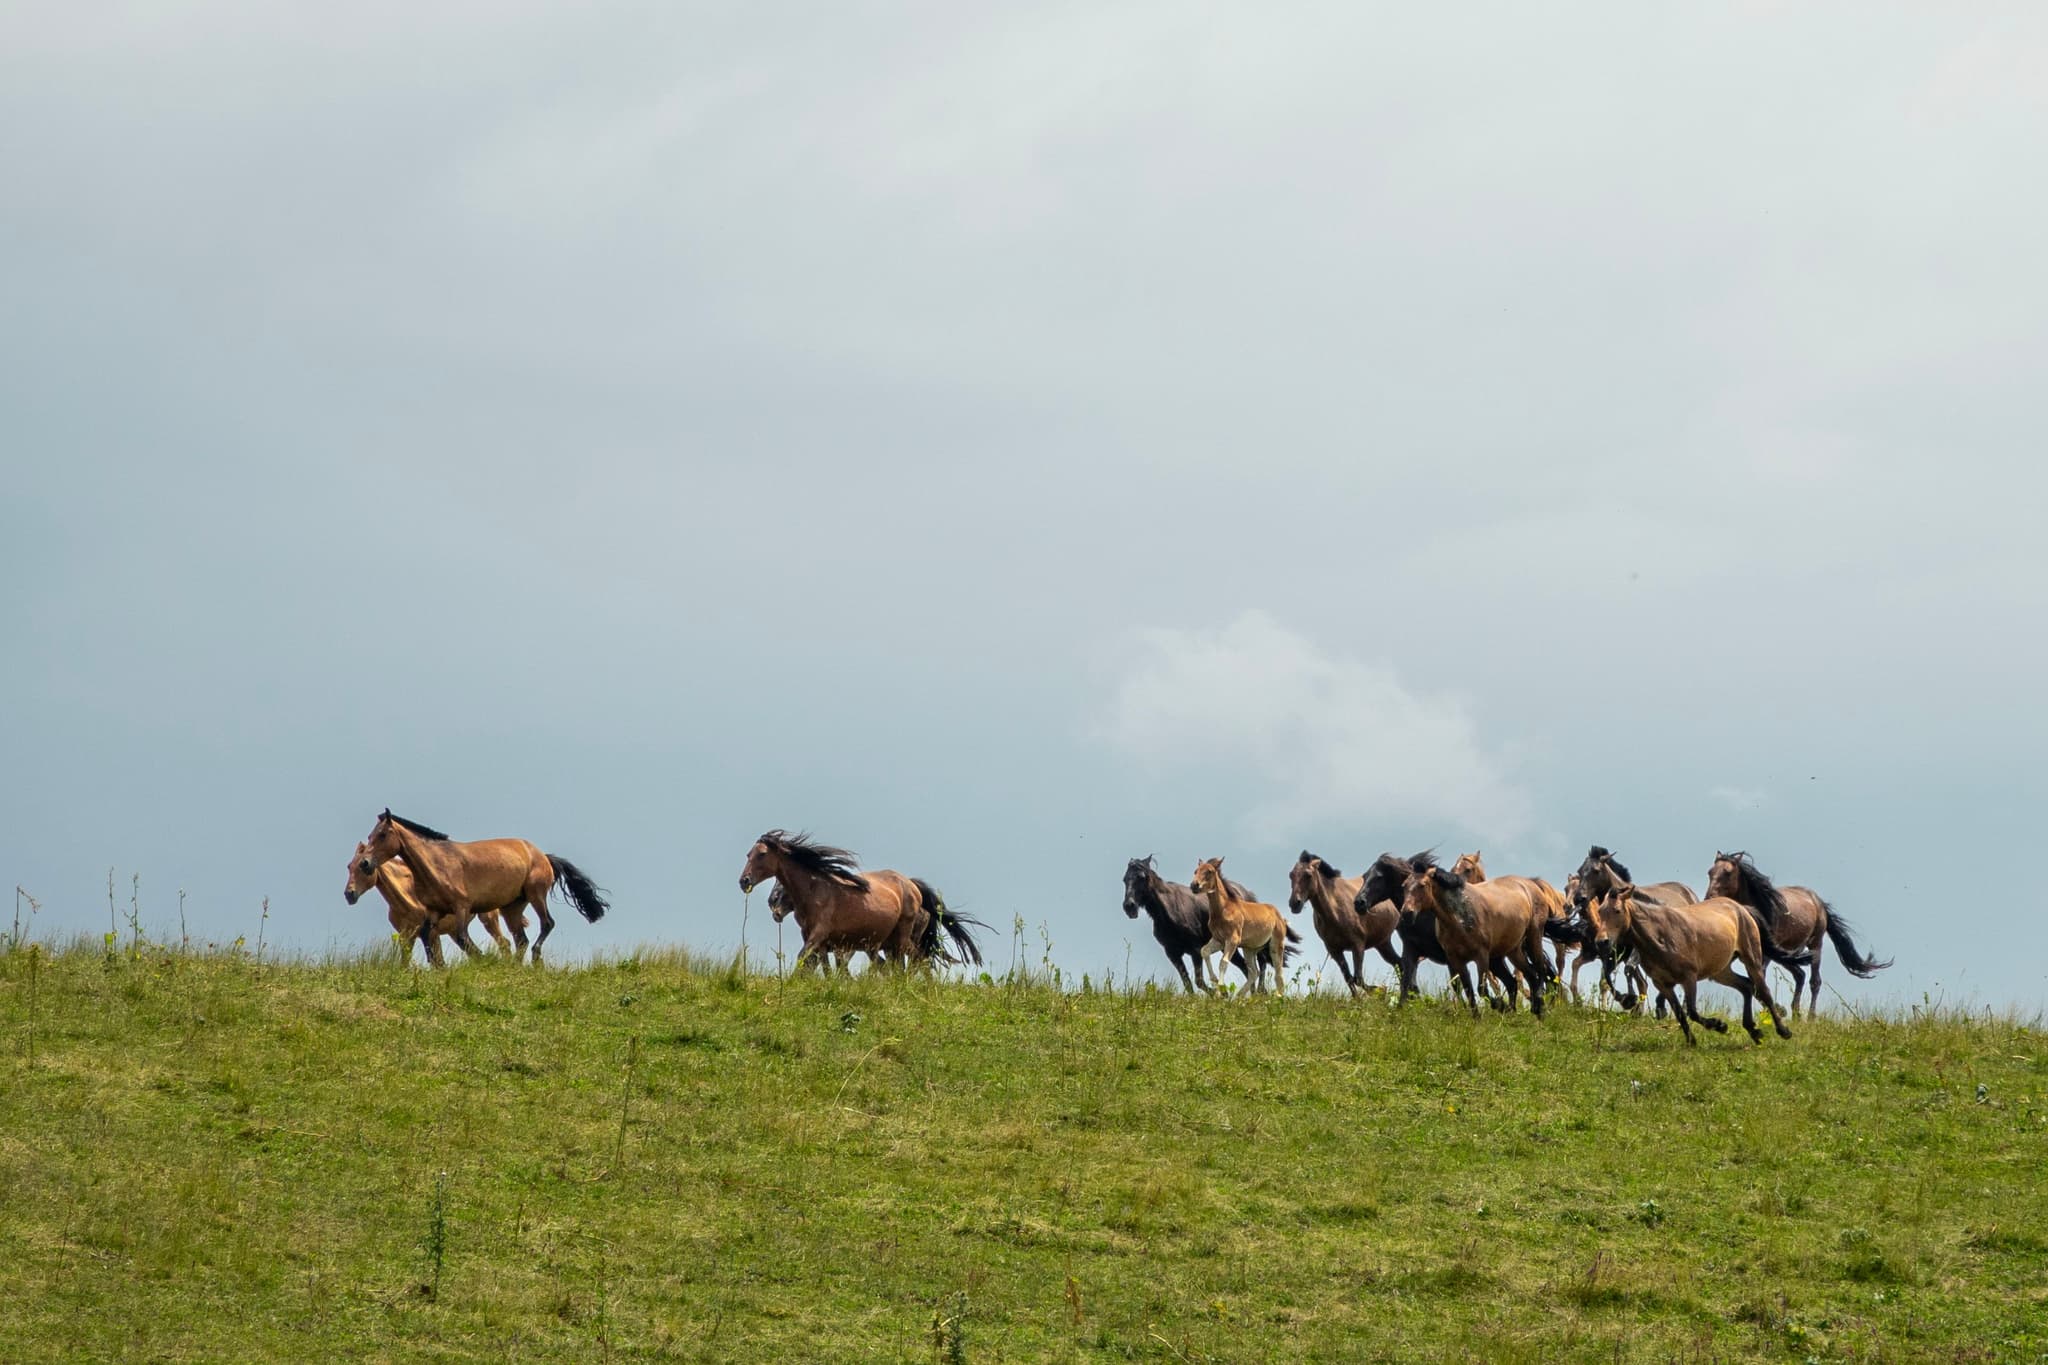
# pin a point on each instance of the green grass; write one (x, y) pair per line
(656, 1158)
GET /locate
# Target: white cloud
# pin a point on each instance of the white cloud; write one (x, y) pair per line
(1302, 737)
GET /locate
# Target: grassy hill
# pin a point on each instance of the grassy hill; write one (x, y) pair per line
(202, 1157)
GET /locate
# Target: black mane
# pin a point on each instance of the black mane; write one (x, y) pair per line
(1597, 854)
(424, 831)
(1328, 868)
(1756, 890)
(833, 864)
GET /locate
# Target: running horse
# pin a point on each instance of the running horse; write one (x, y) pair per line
(1470, 868)
(1481, 922)
(1180, 918)
(1345, 930)
(1682, 945)
(1385, 885)
(841, 909)
(1794, 920)
(410, 922)
(454, 881)
(1239, 922)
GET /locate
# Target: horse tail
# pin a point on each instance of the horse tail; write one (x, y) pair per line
(585, 895)
(1845, 949)
(1566, 929)
(952, 923)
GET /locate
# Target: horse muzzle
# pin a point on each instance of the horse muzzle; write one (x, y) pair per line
(1130, 909)
(349, 896)
(747, 884)
(1294, 905)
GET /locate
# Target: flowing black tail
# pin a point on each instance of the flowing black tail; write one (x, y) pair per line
(1845, 949)
(585, 895)
(955, 925)
(1571, 930)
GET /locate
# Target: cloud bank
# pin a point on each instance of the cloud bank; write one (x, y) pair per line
(1302, 738)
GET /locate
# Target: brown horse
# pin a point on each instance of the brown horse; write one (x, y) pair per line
(1343, 929)
(1680, 945)
(410, 921)
(1236, 923)
(465, 879)
(1576, 931)
(1794, 918)
(841, 910)
(1478, 922)
(1471, 869)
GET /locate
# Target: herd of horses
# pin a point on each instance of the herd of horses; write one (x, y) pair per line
(1412, 909)
(1490, 933)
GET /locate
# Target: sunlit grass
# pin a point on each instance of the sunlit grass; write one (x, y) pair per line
(657, 1156)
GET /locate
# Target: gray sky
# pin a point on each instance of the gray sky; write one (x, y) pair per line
(1008, 439)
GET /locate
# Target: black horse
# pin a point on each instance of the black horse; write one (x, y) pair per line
(1180, 919)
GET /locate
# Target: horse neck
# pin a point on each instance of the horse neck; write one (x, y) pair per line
(1217, 897)
(806, 891)
(429, 872)
(1323, 895)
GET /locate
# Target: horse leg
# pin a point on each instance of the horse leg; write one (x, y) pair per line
(494, 925)
(515, 920)
(1180, 965)
(1692, 1007)
(1277, 946)
(1798, 974)
(1665, 992)
(1462, 974)
(1728, 976)
(547, 926)
(1813, 998)
(1502, 972)
(1538, 985)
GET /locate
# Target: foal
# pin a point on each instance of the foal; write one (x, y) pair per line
(1236, 923)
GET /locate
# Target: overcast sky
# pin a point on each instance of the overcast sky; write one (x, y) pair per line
(1007, 439)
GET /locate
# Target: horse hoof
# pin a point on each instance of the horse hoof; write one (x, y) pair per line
(1784, 1032)
(1756, 1035)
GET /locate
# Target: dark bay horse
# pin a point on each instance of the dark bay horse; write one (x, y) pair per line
(1478, 922)
(1385, 884)
(1794, 919)
(1681, 945)
(465, 879)
(1180, 918)
(1345, 931)
(841, 909)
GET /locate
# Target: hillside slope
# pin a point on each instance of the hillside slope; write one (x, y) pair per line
(204, 1158)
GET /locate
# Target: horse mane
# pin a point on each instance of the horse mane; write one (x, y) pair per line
(1598, 854)
(1329, 868)
(833, 864)
(424, 831)
(1768, 900)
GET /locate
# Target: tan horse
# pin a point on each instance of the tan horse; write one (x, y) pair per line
(1471, 869)
(1236, 923)
(1681, 945)
(1795, 918)
(1477, 922)
(465, 879)
(410, 920)
(842, 910)
(1342, 928)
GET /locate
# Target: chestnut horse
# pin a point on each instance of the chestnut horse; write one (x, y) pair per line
(1472, 869)
(410, 920)
(842, 910)
(1679, 945)
(1479, 922)
(1385, 884)
(1794, 920)
(465, 879)
(1345, 931)
(1236, 922)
